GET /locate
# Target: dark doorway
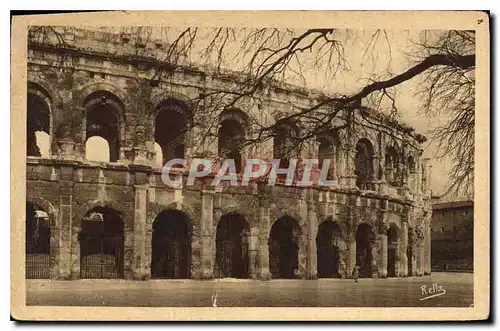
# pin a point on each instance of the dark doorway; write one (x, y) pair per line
(101, 244)
(409, 252)
(365, 240)
(37, 243)
(327, 239)
(231, 257)
(392, 246)
(171, 246)
(283, 248)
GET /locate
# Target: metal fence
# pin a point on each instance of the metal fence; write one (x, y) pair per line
(37, 266)
(101, 258)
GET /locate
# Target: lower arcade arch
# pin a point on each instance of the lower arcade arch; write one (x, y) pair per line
(328, 252)
(365, 241)
(102, 244)
(37, 242)
(231, 252)
(392, 250)
(171, 246)
(284, 248)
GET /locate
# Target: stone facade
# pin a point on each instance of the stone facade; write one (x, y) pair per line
(89, 69)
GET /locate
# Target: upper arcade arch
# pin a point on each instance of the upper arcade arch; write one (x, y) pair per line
(410, 162)
(392, 165)
(233, 128)
(364, 163)
(172, 123)
(105, 118)
(39, 120)
(286, 139)
(328, 149)
(39, 83)
(81, 96)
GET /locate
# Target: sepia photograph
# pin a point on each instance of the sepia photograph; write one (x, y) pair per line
(250, 160)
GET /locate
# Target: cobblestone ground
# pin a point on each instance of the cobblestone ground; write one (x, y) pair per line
(392, 292)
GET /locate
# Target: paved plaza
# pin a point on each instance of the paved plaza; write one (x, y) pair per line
(391, 292)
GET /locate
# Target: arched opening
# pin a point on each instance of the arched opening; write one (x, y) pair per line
(102, 244)
(97, 149)
(103, 111)
(411, 163)
(37, 125)
(327, 244)
(392, 174)
(328, 150)
(364, 164)
(171, 127)
(43, 143)
(231, 136)
(231, 256)
(171, 246)
(285, 144)
(392, 249)
(284, 248)
(365, 241)
(158, 156)
(37, 242)
(410, 173)
(409, 252)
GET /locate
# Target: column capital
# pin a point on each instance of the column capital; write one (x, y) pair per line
(205, 192)
(141, 187)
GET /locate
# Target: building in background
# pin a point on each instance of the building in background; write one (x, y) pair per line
(453, 236)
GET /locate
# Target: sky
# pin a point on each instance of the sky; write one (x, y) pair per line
(368, 55)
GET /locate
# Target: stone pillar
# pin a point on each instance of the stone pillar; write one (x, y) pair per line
(312, 259)
(140, 149)
(207, 235)
(341, 166)
(140, 268)
(381, 246)
(374, 247)
(67, 149)
(343, 257)
(376, 172)
(397, 267)
(69, 250)
(420, 256)
(377, 167)
(383, 179)
(348, 178)
(351, 256)
(403, 246)
(427, 249)
(253, 253)
(265, 221)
